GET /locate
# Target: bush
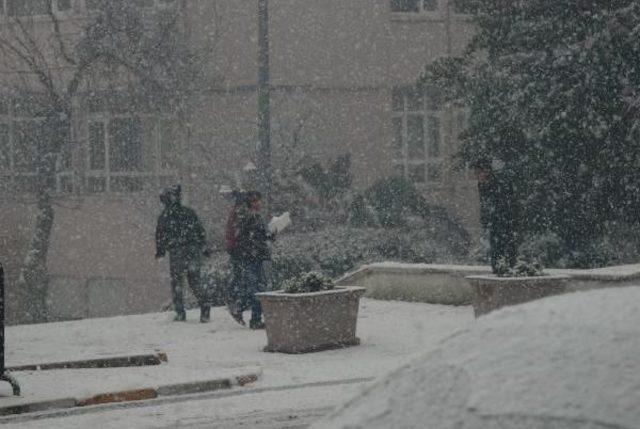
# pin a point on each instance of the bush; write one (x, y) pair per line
(522, 268)
(620, 244)
(396, 200)
(393, 198)
(331, 182)
(308, 282)
(335, 251)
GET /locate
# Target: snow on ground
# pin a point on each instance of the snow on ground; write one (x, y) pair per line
(392, 333)
(570, 361)
(275, 409)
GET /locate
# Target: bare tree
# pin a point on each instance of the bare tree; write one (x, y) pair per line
(116, 41)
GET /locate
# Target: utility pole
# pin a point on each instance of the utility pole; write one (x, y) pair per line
(264, 108)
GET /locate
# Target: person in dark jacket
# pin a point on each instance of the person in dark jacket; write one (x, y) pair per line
(236, 295)
(180, 233)
(253, 250)
(498, 214)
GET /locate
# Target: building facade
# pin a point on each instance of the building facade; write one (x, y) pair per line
(343, 79)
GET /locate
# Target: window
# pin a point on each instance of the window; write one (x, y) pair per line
(464, 7)
(63, 5)
(130, 149)
(21, 134)
(19, 8)
(144, 4)
(417, 139)
(414, 6)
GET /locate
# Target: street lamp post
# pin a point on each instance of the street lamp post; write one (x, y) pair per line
(264, 112)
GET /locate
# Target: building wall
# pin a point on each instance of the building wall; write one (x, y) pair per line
(334, 67)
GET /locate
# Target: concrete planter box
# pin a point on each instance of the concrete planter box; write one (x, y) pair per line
(309, 322)
(491, 292)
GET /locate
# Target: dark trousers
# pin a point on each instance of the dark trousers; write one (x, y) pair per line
(502, 244)
(181, 265)
(255, 283)
(247, 279)
(235, 291)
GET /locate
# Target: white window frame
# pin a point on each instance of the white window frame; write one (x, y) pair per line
(4, 10)
(157, 5)
(12, 175)
(452, 10)
(421, 10)
(430, 162)
(157, 177)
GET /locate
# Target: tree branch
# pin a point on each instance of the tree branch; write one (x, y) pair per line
(58, 36)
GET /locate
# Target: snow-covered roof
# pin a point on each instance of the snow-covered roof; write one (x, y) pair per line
(569, 361)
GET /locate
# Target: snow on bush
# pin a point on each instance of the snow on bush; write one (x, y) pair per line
(335, 251)
(312, 281)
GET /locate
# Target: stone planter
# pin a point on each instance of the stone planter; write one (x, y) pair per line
(491, 292)
(309, 322)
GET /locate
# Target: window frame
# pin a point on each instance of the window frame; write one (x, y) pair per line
(421, 12)
(12, 177)
(402, 161)
(152, 178)
(454, 12)
(4, 11)
(157, 5)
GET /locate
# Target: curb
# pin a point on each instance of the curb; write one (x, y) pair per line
(110, 362)
(132, 395)
(32, 407)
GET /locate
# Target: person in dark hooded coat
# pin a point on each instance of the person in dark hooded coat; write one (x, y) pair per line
(180, 233)
(498, 213)
(252, 251)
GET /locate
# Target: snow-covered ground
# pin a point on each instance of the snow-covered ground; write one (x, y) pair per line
(392, 333)
(564, 362)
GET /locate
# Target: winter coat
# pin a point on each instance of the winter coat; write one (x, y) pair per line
(497, 205)
(231, 232)
(179, 229)
(251, 245)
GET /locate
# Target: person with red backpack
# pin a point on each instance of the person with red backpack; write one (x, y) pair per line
(237, 301)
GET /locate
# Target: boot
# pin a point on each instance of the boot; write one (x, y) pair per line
(238, 318)
(235, 310)
(205, 314)
(181, 316)
(256, 324)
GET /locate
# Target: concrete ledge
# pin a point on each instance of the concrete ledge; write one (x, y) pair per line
(141, 394)
(430, 283)
(446, 284)
(110, 362)
(32, 407)
(124, 396)
(195, 387)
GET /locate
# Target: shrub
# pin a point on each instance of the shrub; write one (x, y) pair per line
(620, 244)
(335, 251)
(311, 281)
(522, 268)
(395, 200)
(392, 198)
(331, 182)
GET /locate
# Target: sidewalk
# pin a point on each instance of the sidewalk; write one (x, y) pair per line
(391, 333)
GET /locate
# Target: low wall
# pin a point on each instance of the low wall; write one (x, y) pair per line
(446, 284)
